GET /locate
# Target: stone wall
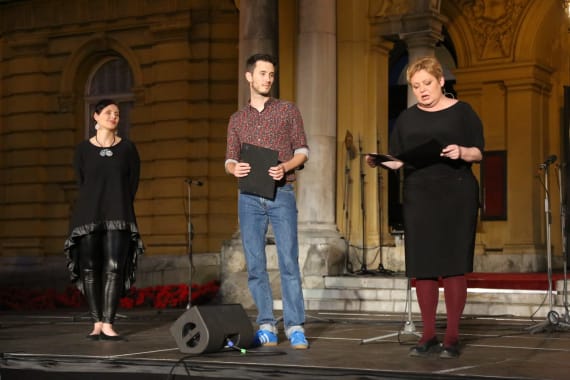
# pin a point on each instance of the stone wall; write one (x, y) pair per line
(183, 56)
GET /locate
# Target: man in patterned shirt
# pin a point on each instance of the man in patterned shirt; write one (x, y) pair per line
(275, 124)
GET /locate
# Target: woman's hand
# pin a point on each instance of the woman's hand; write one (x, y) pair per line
(457, 152)
(452, 151)
(394, 165)
(370, 161)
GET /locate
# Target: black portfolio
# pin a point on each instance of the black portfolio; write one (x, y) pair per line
(258, 181)
(423, 155)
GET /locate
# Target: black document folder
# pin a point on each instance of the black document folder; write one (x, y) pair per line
(423, 155)
(258, 181)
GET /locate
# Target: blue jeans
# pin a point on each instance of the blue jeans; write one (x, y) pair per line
(255, 214)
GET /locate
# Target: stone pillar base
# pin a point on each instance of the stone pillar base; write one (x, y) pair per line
(321, 253)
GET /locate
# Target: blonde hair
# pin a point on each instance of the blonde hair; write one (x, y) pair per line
(429, 64)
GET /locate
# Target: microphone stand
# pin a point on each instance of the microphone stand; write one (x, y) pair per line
(363, 268)
(409, 326)
(381, 269)
(552, 317)
(566, 318)
(350, 155)
(189, 183)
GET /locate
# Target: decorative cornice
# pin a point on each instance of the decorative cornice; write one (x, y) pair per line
(28, 46)
(517, 75)
(171, 31)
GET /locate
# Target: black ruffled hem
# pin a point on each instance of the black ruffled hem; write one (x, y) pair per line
(136, 249)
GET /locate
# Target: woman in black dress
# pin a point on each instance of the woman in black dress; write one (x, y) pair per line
(104, 241)
(441, 200)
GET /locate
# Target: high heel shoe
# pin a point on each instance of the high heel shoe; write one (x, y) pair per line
(93, 337)
(423, 350)
(115, 338)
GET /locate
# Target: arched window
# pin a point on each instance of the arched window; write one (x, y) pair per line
(111, 78)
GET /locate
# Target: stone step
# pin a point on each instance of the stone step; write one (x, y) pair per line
(389, 295)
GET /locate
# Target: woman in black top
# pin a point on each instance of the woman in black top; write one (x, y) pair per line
(104, 241)
(441, 200)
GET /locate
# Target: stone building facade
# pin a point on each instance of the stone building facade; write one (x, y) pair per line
(341, 61)
(182, 58)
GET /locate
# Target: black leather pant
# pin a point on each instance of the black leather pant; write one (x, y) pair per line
(102, 259)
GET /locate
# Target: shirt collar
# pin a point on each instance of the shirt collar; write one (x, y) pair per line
(269, 101)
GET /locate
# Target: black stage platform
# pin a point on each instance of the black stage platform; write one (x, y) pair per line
(52, 345)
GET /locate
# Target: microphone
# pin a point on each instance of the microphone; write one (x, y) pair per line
(549, 160)
(191, 181)
(349, 144)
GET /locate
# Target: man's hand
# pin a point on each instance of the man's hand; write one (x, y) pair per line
(240, 169)
(277, 172)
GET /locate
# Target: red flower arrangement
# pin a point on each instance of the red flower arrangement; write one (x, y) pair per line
(159, 297)
(170, 296)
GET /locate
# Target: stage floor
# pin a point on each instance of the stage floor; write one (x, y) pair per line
(52, 345)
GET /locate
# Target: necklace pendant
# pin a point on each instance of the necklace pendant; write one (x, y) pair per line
(105, 152)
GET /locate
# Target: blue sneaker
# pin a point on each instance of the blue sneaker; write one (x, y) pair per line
(265, 338)
(298, 340)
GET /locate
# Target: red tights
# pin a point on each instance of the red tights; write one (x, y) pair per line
(455, 292)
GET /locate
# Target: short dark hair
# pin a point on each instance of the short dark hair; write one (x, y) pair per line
(101, 104)
(251, 61)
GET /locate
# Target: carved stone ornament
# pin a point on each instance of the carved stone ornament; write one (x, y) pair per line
(493, 23)
(385, 8)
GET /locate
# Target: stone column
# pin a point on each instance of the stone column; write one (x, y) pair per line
(419, 25)
(320, 244)
(525, 124)
(257, 34)
(320, 250)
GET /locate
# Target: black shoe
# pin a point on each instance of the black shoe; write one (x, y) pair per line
(422, 350)
(115, 338)
(93, 337)
(450, 352)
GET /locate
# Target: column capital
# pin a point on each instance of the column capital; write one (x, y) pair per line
(422, 26)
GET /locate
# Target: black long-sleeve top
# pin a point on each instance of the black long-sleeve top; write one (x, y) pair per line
(107, 184)
(107, 188)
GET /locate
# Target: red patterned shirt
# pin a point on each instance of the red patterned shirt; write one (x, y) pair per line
(279, 126)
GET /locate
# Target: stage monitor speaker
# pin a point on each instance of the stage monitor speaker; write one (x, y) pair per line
(208, 328)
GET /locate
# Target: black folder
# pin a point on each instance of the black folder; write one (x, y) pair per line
(258, 181)
(423, 155)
